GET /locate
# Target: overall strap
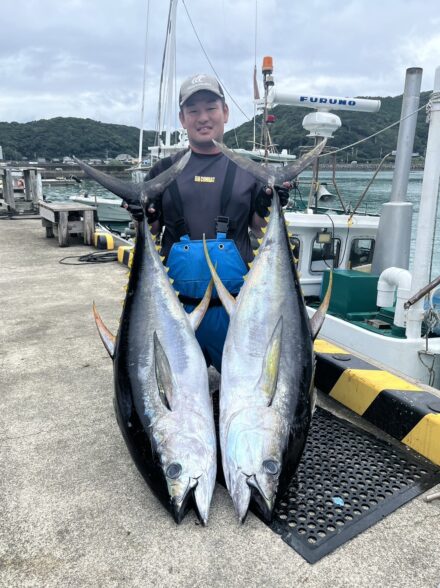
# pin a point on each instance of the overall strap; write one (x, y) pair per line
(222, 223)
(176, 198)
(180, 225)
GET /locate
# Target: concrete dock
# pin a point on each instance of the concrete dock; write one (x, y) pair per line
(74, 511)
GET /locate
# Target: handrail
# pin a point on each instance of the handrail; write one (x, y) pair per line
(421, 293)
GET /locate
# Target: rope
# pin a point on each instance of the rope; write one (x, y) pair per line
(368, 185)
(375, 134)
(106, 257)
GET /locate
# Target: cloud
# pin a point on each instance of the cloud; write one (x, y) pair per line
(82, 58)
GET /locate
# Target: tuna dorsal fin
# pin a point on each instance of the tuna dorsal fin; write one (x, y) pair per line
(227, 299)
(319, 316)
(164, 376)
(271, 363)
(106, 335)
(196, 316)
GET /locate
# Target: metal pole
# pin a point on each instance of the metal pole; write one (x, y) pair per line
(427, 213)
(141, 132)
(407, 131)
(394, 234)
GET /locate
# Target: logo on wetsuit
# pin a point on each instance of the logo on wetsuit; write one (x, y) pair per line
(204, 179)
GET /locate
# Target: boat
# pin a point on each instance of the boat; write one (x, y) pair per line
(259, 154)
(379, 310)
(59, 181)
(109, 210)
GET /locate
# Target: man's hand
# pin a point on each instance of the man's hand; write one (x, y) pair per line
(135, 210)
(154, 211)
(264, 198)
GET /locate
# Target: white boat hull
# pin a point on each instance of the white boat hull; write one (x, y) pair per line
(108, 210)
(405, 357)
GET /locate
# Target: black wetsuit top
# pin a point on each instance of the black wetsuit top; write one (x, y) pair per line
(200, 187)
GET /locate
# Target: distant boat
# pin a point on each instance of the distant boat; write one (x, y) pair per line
(271, 157)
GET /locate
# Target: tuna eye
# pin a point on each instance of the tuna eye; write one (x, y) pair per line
(271, 466)
(173, 470)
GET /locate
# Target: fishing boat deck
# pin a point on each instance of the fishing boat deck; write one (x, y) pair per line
(75, 511)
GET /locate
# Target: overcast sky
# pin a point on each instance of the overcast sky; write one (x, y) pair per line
(85, 58)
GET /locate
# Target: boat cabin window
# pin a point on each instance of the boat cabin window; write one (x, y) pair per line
(361, 252)
(325, 255)
(295, 243)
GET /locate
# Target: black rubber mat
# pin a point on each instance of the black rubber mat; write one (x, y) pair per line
(347, 481)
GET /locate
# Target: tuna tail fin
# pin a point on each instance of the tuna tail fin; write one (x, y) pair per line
(269, 174)
(227, 299)
(271, 363)
(106, 335)
(318, 318)
(196, 316)
(136, 193)
(164, 376)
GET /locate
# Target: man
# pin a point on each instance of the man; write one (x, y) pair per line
(211, 197)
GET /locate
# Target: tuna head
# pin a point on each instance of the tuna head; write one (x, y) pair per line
(188, 462)
(255, 448)
(184, 443)
(256, 438)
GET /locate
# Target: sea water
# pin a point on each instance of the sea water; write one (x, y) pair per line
(351, 184)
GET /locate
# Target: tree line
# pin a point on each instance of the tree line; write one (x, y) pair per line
(86, 138)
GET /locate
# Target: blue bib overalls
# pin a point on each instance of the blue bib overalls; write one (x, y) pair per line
(191, 275)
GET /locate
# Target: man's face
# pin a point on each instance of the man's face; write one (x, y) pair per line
(204, 116)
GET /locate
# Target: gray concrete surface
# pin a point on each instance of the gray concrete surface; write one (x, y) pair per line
(73, 509)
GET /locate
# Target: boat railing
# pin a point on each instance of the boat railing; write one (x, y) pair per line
(421, 293)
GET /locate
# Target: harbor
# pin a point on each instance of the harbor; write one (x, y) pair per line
(313, 458)
(75, 509)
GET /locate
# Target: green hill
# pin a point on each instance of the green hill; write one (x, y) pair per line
(57, 137)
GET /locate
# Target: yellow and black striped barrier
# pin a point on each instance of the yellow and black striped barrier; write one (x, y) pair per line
(125, 255)
(103, 241)
(401, 409)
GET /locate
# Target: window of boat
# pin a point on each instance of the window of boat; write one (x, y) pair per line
(361, 252)
(295, 243)
(325, 255)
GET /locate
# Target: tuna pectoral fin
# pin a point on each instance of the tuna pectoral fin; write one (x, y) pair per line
(319, 316)
(196, 316)
(269, 174)
(227, 299)
(164, 375)
(106, 336)
(271, 363)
